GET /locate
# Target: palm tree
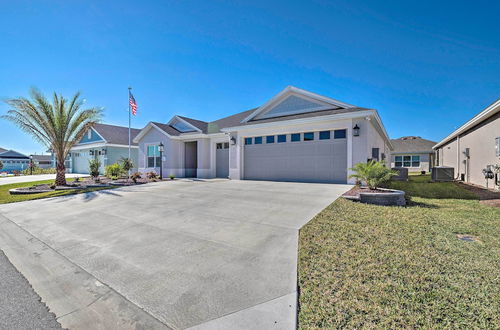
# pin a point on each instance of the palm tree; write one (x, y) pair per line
(58, 125)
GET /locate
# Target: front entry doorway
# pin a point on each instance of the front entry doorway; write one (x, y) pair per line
(190, 159)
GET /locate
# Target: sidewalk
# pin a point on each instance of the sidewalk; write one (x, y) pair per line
(31, 178)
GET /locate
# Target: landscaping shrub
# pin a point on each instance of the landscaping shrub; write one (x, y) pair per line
(152, 175)
(136, 176)
(113, 171)
(1, 165)
(171, 176)
(94, 165)
(373, 173)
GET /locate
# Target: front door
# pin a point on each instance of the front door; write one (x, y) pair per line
(222, 160)
(190, 159)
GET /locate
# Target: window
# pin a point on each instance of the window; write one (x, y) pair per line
(153, 156)
(375, 153)
(407, 161)
(219, 145)
(309, 136)
(89, 134)
(295, 137)
(270, 139)
(339, 134)
(281, 138)
(324, 135)
(248, 141)
(497, 146)
(258, 140)
(226, 145)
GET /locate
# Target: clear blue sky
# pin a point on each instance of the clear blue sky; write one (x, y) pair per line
(427, 66)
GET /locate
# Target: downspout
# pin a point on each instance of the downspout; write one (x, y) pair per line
(458, 158)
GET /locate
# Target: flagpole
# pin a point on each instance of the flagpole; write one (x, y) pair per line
(129, 119)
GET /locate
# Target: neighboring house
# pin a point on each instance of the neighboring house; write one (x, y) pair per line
(108, 143)
(295, 136)
(413, 152)
(13, 161)
(43, 161)
(473, 147)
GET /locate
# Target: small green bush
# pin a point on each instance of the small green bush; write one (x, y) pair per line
(113, 171)
(38, 170)
(171, 176)
(94, 166)
(373, 173)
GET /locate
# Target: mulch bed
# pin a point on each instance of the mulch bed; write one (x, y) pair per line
(486, 196)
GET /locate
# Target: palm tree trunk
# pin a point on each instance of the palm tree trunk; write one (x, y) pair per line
(60, 173)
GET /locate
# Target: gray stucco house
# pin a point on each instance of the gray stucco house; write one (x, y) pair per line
(413, 153)
(108, 143)
(474, 146)
(296, 136)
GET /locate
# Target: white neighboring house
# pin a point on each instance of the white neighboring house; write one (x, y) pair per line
(473, 147)
(295, 136)
(413, 153)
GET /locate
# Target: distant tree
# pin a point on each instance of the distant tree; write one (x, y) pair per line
(127, 165)
(1, 164)
(58, 125)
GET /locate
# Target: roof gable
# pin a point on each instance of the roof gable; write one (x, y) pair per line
(13, 155)
(293, 101)
(182, 125)
(91, 136)
(412, 144)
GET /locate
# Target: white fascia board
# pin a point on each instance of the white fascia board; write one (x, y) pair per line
(290, 90)
(101, 145)
(383, 131)
(348, 115)
(176, 117)
(489, 111)
(92, 128)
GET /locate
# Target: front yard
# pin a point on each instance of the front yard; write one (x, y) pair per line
(365, 266)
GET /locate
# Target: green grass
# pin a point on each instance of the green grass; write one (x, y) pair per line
(6, 197)
(367, 266)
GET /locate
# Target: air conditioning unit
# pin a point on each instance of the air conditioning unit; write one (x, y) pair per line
(442, 173)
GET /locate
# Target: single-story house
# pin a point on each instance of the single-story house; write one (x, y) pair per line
(43, 161)
(473, 147)
(295, 136)
(108, 143)
(413, 153)
(13, 161)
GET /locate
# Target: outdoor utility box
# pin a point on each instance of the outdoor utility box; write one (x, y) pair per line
(403, 174)
(443, 173)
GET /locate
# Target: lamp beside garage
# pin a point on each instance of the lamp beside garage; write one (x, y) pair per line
(355, 130)
(160, 149)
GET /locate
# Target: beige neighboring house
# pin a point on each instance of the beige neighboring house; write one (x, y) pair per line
(413, 153)
(473, 147)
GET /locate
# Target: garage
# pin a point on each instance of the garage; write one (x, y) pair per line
(302, 157)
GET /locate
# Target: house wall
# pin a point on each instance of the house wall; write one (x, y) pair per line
(10, 165)
(80, 158)
(425, 160)
(481, 143)
(173, 155)
(94, 137)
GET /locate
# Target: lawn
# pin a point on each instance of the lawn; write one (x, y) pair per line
(6, 197)
(366, 266)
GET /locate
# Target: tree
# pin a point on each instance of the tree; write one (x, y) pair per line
(373, 173)
(58, 125)
(1, 164)
(127, 165)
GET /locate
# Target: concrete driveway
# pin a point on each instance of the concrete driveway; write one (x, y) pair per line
(206, 254)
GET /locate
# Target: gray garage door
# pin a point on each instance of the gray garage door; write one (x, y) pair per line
(222, 160)
(300, 157)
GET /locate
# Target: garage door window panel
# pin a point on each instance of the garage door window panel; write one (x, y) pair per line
(295, 137)
(270, 139)
(324, 135)
(339, 134)
(258, 140)
(309, 136)
(281, 138)
(248, 141)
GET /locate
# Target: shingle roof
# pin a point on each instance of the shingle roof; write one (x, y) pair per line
(167, 128)
(412, 144)
(13, 154)
(116, 134)
(2, 150)
(42, 157)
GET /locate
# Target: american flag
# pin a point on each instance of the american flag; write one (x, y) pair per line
(133, 104)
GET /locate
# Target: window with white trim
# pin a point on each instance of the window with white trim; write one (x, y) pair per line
(153, 156)
(407, 161)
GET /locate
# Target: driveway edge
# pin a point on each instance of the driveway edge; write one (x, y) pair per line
(78, 299)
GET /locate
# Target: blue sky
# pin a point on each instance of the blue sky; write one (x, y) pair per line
(427, 66)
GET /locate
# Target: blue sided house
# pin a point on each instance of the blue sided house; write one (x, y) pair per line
(108, 143)
(13, 161)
